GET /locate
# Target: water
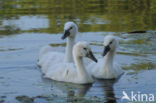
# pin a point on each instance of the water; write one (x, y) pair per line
(26, 26)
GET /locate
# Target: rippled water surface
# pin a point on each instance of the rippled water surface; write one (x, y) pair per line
(27, 25)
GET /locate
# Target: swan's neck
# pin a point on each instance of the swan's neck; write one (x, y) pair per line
(82, 73)
(108, 60)
(68, 51)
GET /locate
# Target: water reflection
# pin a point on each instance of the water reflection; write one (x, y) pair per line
(27, 22)
(69, 91)
(79, 94)
(74, 92)
(95, 15)
(107, 85)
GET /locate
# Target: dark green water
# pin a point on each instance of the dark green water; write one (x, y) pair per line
(27, 25)
(91, 15)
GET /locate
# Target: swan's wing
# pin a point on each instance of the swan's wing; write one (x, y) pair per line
(44, 54)
(62, 72)
(44, 50)
(49, 59)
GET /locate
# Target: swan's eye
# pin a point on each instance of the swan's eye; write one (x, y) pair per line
(71, 27)
(85, 48)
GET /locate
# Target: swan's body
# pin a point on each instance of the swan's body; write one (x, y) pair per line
(106, 68)
(47, 56)
(50, 58)
(70, 72)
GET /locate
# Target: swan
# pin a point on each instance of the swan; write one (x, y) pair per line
(73, 72)
(106, 68)
(47, 56)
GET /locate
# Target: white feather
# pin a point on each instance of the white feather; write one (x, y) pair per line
(47, 56)
(106, 68)
(71, 72)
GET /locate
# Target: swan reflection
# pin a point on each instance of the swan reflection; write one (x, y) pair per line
(107, 85)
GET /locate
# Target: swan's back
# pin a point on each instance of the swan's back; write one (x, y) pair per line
(47, 58)
(44, 50)
(62, 72)
(67, 72)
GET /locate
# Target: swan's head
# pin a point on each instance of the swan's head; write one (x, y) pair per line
(70, 30)
(110, 44)
(82, 49)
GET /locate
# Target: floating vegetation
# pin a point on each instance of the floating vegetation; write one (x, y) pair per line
(85, 100)
(138, 41)
(136, 68)
(2, 101)
(140, 66)
(137, 32)
(9, 30)
(132, 73)
(96, 44)
(56, 45)
(28, 99)
(133, 54)
(48, 98)
(10, 49)
(2, 96)
(25, 99)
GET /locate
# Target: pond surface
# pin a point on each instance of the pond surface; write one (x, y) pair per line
(27, 25)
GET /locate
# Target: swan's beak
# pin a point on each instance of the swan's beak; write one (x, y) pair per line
(91, 56)
(66, 34)
(106, 50)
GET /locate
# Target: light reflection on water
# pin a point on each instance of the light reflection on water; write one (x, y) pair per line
(27, 22)
(26, 26)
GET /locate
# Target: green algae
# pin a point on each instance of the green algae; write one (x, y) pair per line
(56, 45)
(131, 54)
(140, 66)
(25, 99)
